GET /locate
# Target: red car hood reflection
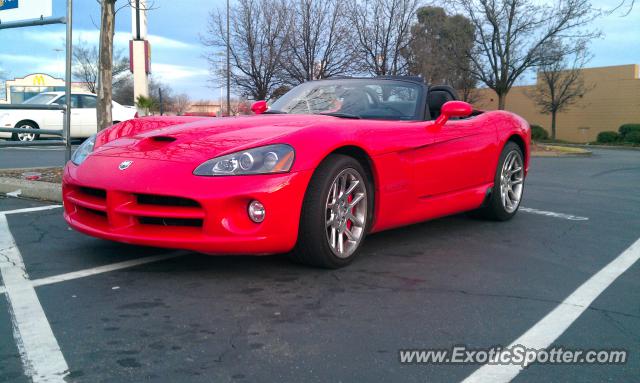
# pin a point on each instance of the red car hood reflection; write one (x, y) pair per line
(188, 139)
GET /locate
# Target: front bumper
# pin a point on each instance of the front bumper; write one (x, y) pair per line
(161, 203)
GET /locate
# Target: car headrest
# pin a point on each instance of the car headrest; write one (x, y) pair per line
(438, 95)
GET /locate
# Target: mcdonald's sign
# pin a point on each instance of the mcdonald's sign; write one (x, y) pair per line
(38, 80)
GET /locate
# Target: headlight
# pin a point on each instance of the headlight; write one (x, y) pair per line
(83, 150)
(263, 160)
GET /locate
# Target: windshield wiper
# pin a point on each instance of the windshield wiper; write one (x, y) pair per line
(341, 115)
(270, 111)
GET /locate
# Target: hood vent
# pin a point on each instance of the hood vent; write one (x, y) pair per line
(163, 139)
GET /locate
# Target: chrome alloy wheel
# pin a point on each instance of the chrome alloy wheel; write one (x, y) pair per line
(346, 212)
(511, 181)
(26, 136)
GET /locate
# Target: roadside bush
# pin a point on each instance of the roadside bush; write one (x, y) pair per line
(626, 129)
(633, 137)
(608, 137)
(538, 133)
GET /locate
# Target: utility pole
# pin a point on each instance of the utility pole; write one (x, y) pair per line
(67, 84)
(228, 61)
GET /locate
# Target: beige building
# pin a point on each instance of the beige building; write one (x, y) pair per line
(20, 89)
(614, 99)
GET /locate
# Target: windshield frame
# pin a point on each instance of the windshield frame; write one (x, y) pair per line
(421, 110)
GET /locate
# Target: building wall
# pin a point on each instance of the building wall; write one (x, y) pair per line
(19, 89)
(613, 100)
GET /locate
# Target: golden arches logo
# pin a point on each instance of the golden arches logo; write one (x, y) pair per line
(38, 79)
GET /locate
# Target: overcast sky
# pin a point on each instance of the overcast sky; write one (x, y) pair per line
(175, 26)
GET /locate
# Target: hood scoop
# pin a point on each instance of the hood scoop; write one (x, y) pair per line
(154, 142)
(162, 139)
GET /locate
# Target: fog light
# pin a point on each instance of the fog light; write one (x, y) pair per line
(256, 211)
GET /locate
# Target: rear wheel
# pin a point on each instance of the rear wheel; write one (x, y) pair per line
(508, 185)
(334, 219)
(25, 136)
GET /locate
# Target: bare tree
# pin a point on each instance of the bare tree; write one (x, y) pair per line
(105, 63)
(440, 48)
(85, 66)
(123, 92)
(258, 31)
(560, 81)
(319, 42)
(104, 89)
(382, 33)
(181, 103)
(511, 33)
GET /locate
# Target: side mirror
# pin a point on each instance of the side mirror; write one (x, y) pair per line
(259, 107)
(453, 109)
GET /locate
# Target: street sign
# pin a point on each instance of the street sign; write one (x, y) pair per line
(19, 10)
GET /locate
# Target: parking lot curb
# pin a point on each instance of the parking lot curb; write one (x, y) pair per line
(608, 147)
(557, 155)
(47, 191)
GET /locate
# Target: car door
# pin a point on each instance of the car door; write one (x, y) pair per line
(88, 117)
(458, 158)
(51, 119)
(76, 115)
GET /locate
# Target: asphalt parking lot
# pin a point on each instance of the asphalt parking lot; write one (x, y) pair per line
(30, 157)
(126, 313)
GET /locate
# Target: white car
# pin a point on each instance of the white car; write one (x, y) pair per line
(83, 115)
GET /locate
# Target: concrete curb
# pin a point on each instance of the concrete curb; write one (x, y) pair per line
(559, 155)
(47, 191)
(607, 147)
(556, 151)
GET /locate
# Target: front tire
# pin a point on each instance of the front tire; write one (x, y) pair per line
(335, 214)
(25, 137)
(508, 185)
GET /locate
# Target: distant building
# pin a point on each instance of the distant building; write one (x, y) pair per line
(20, 89)
(204, 107)
(613, 100)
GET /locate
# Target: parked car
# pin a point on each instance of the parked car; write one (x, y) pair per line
(328, 163)
(83, 115)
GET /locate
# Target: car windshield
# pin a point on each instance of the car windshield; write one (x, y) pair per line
(353, 98)
(41, 99)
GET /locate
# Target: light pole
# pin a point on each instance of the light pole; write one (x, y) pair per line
(219, 68)
(228, 61)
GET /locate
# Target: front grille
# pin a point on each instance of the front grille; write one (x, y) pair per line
(98, 193)
(150, 199)
(189, 222)
(95, 212)
(117, 209)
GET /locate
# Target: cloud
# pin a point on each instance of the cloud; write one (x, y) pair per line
(172, 72)
(92, 36)
(33, 64)
(19, 59)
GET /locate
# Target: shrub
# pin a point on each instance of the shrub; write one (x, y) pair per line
(538, 133)
(608, 137)
(633, 137)
(626, 129)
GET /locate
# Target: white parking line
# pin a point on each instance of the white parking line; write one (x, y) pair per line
(553, 214)
(30, 209)
(102, 269)
(99, 270)
(39, 350)
(549, 328)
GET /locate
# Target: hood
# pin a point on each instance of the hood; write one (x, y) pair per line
(193, 139)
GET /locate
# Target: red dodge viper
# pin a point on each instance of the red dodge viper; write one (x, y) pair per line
(311, 175)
